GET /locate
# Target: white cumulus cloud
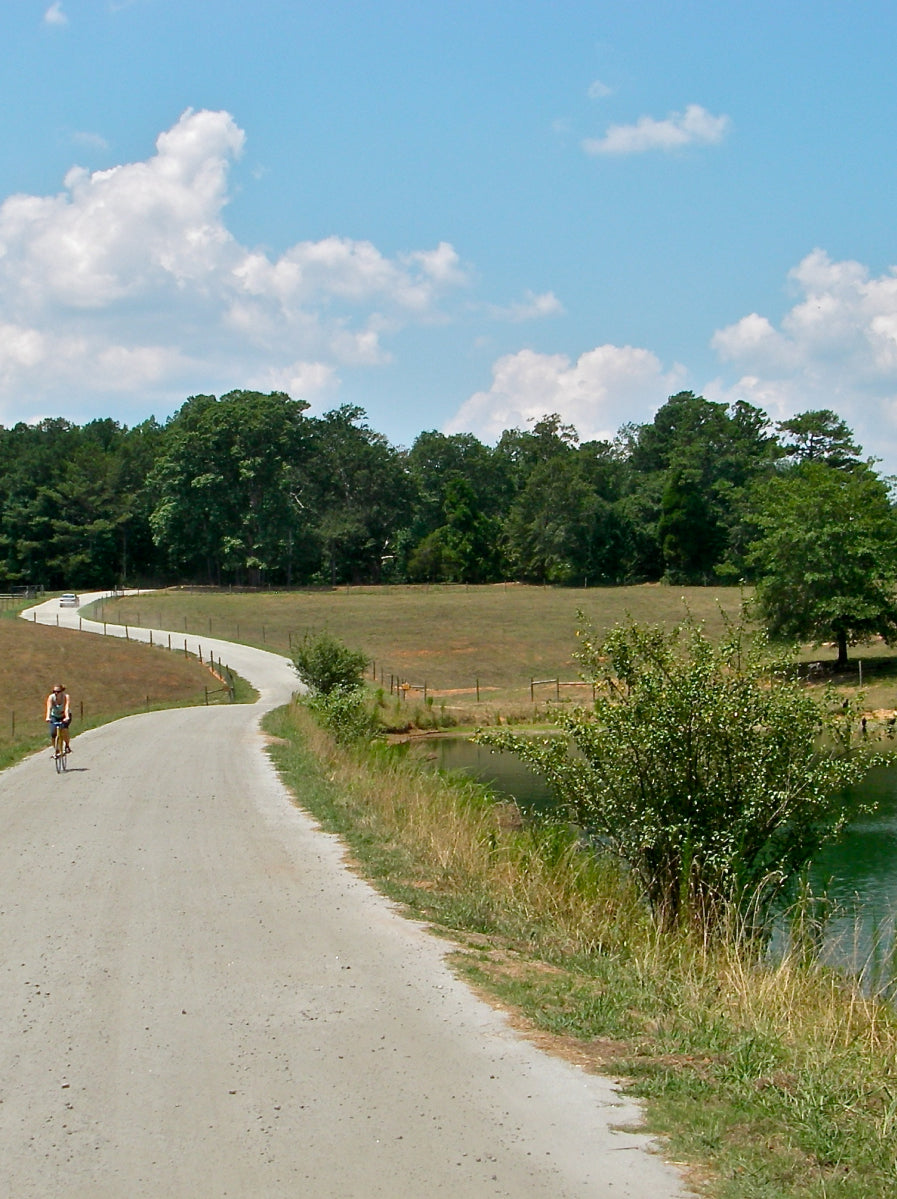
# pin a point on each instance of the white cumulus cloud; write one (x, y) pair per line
(598, 90)
(695, 126)
(128, 281)
(532, 307)
(836, 347)
(54, 15)
(604, 388)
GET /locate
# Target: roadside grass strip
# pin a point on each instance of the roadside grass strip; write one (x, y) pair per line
(770, 1079)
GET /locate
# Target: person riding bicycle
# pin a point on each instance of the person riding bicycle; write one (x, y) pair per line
(59, 714)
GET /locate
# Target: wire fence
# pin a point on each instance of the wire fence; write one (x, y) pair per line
(403, 688)
(21, 724)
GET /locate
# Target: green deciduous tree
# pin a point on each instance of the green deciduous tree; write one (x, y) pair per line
(559, 529)
(73, 506)
(360, 494)
(699, 457)
(826, 555)
(700, 766)
(326, 664)
(462, 550)
(226, 483)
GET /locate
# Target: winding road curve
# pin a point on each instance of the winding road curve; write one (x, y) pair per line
(199, 1000)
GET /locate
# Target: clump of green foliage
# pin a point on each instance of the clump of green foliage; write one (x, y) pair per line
(333, 673)
(707, 768)
(325, 664)
(345, 713)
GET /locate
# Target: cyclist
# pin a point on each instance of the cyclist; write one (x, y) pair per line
(59, 714)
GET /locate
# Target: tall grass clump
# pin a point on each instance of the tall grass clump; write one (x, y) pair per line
(450, 836)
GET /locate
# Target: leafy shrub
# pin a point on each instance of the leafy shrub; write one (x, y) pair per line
(325, 664)
(345, 714)
(708, 769)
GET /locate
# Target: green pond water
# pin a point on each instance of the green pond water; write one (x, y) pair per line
(858, 873)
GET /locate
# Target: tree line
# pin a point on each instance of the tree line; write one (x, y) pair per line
(249, 489)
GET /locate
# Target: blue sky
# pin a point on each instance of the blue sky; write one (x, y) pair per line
(455, 215)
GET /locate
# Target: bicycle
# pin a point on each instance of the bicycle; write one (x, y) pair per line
(60, 753)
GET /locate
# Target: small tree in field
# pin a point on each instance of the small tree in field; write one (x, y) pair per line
(708, 769)
(826, 555)
(325, 664)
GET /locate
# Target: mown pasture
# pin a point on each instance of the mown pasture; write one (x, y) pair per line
(456, 639)
(447, 637)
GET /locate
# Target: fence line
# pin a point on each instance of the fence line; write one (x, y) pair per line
(400, 685)
(219, 671)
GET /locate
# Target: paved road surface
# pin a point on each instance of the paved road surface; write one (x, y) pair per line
(198, 1000)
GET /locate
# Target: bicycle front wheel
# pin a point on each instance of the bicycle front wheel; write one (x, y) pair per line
(59, 747)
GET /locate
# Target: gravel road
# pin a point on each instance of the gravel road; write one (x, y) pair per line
(199, 1000)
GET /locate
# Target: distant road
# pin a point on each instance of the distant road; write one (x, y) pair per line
(198, 999)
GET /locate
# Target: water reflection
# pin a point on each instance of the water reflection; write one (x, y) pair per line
(862, 865)
(505, 773)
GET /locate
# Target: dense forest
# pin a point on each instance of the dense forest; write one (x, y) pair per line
(248, 489)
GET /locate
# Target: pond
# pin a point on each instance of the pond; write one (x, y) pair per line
(858, 873)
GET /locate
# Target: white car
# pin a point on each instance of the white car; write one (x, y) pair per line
(69, 600)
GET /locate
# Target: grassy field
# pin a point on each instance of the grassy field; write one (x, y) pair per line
(445, 639)
(447, 636)
(106, 678)
(450, 638)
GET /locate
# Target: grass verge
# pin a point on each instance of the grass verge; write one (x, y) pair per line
(771, 1081)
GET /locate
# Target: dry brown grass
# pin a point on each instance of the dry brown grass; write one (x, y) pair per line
(462, 842)
(105, 677)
